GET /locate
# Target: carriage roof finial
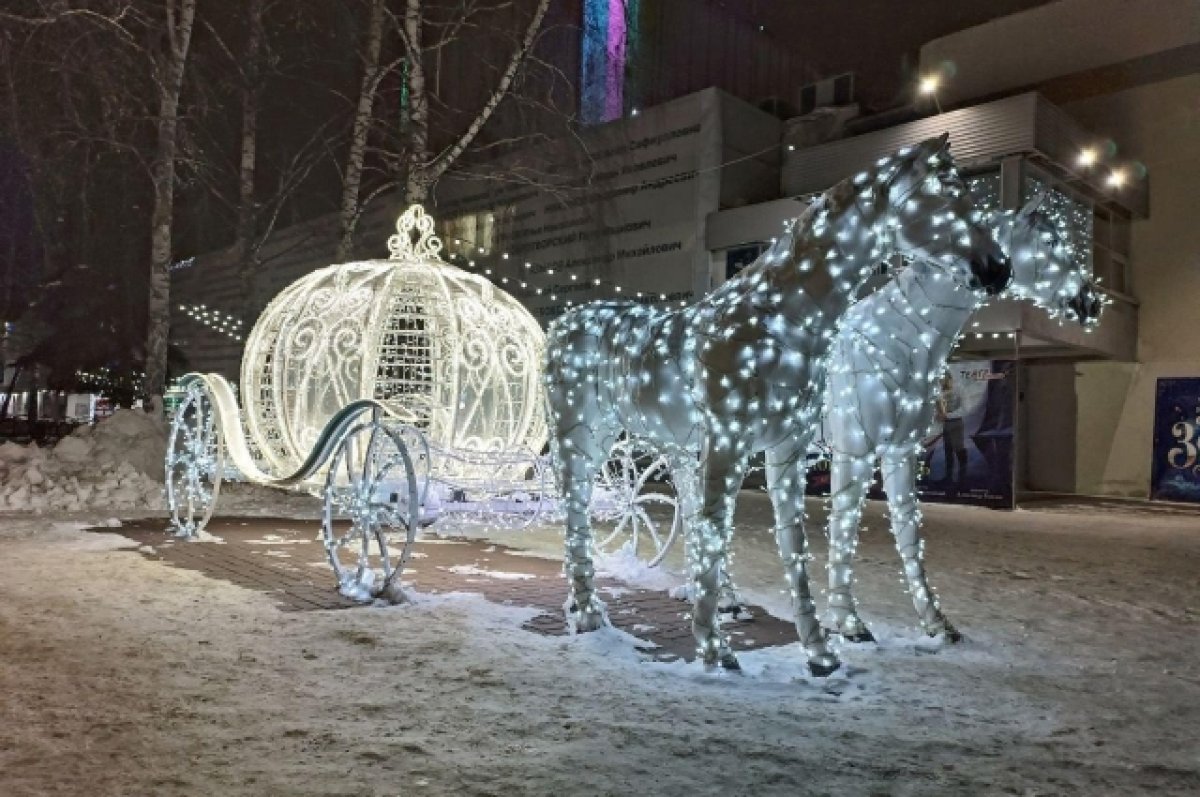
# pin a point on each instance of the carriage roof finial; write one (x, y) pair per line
(414, 238)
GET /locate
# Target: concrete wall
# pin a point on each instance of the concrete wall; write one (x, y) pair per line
(1160, 125)
(1048, 427)
(1027, 49)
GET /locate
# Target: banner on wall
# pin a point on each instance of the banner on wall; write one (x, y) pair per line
(968, 454)
(624, 208)
(1175, 471)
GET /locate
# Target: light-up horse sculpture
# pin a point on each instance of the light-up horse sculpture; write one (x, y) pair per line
(742, 371)
(891, 348)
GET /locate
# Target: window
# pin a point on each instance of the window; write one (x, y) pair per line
(470, 235)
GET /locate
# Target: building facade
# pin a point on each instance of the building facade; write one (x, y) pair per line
(663, 203)
(1131, 76)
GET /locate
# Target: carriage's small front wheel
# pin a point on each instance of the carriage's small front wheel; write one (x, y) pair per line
(634, 493)
(371, 506)
(195, 461)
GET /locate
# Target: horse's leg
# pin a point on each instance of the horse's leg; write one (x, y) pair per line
(708, 552)
(785, 482)
(685, 476)
(579, 453)
(729, 602)
(849, 479)
(899, 480)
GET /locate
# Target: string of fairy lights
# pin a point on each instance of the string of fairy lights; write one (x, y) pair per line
(218, 321)
(106, 378)
(890, 350)
(525, 286)
(1071, 217)
(742, 370)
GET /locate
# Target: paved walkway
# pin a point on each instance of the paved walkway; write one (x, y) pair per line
(284, 559)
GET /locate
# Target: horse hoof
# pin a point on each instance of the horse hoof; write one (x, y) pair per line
(862, 635)
(588, 621)
(945, 629)
(824, 665)
(726, 661)
(593, 619)
(735, 611)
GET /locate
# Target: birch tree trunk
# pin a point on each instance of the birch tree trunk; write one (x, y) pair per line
(352, 179)
(423, 171)
(416, 188)
(247, 210)
(181, 16)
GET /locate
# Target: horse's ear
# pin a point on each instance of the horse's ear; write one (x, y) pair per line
(937, 147)
(1035, 202)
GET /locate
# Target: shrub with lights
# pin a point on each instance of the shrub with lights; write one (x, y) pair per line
(743, 370)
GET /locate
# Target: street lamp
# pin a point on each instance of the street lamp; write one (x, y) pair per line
(928, 86)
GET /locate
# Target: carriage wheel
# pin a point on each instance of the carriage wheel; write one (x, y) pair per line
(648, 518)
(370, 493)
(195, 462)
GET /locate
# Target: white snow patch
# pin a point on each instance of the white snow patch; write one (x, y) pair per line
(116, 464)
(623, 564)
(275, 539)
(472, 570)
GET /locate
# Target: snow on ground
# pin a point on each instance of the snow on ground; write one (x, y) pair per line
(119, 675)
(117, 465)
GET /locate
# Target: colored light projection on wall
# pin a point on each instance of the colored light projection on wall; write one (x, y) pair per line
(609, 31)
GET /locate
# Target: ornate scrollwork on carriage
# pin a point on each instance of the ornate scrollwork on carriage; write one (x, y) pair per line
(403, 390)
(442, 349)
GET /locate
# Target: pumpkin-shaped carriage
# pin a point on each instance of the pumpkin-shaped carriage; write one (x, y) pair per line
(404, 390)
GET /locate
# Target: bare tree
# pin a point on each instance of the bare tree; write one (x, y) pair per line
(428, 144)
(247, 206)
(92, 94)
(363, 117)
(73, 110)
(170, 67)
(424, 168)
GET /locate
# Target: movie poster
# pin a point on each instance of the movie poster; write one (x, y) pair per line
(968, 453)
(1175, 470)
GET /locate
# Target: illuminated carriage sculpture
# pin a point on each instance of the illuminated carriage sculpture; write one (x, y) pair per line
(404, 389)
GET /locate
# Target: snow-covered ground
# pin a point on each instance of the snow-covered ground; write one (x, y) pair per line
(121, 676)
(114, 465)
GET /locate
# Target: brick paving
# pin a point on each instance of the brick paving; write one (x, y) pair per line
(285, 560)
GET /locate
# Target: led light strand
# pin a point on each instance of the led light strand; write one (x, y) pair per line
(216, 320)
(885, 376)
(743, 370)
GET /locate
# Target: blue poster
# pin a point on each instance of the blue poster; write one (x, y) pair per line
(1175, 471)
(968, 453)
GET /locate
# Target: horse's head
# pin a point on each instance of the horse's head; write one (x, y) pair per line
(933, 217)
(1044, 269)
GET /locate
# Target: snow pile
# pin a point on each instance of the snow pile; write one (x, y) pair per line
(624, 564)
(116, 464)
